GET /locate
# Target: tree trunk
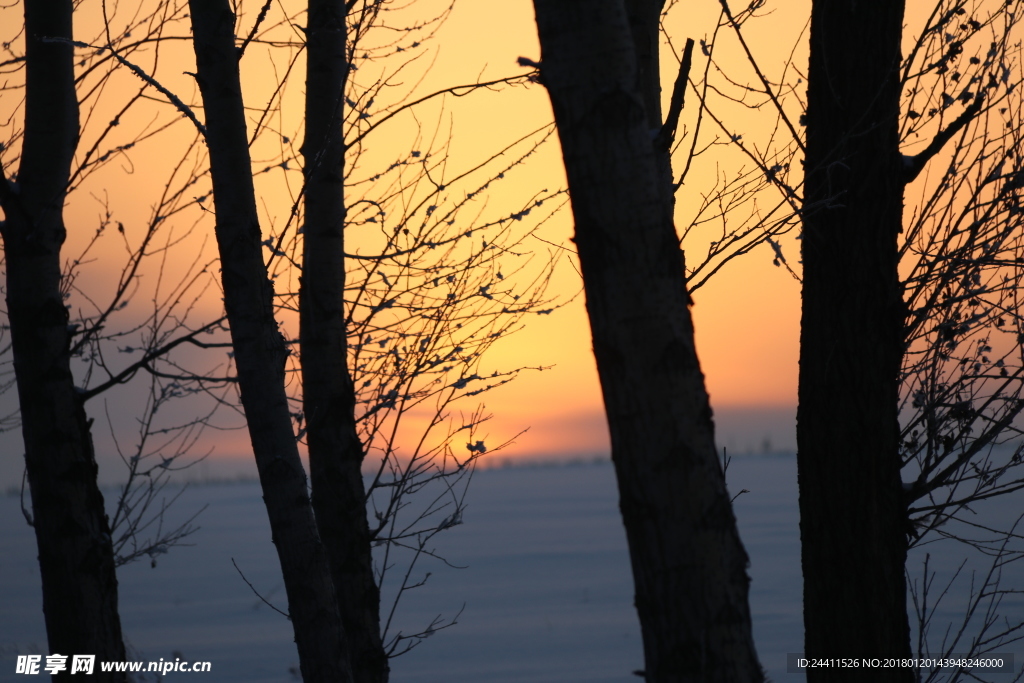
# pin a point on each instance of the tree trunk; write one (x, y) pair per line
(851, 508)
(260, 353)
(335, 451)
(76, 555)
(689, 567)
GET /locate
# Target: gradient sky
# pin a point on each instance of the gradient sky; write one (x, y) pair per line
(747, 316)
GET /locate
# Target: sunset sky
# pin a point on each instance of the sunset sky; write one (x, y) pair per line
(461, 301)
(747, 316)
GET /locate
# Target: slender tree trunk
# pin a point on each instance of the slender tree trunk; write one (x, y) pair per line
(851, 508)
(76, 556)
(260, 353)
(689, 567)
(335, 451)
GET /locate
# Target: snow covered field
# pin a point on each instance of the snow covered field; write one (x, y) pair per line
(546, 588)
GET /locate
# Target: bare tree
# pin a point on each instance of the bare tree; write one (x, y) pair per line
(101, 330)
(260, 354)
(689, 567)
(422, 344)
(962, 371)
(72, 532)
(425, 294)
(430, 321)
(930, 306)
(328, 395)
(961, 395)
(853, 539)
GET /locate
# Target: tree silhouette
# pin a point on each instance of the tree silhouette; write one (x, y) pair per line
(409, 321)
(944, 363)
(261, 354)
(689, 567)
(76, 556)
(853, 531)
(909, 355)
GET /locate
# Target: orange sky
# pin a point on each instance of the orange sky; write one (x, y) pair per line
(746, 317)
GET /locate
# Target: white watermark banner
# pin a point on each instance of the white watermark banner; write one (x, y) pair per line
(34, 665)
(997, 662)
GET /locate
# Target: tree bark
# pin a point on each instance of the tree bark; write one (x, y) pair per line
(76, 555)
(335, 451)
(260, 353)
(852, 513)
(689, 567)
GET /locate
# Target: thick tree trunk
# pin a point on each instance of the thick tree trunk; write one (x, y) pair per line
(645, 28)
(852, 513)
(335, 451)
(260, 353)
(689, 567)
(76, 556)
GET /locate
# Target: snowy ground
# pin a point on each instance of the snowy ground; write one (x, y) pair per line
(546, 589)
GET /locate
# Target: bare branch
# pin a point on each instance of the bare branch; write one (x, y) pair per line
(667, 133)
(915, 164)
